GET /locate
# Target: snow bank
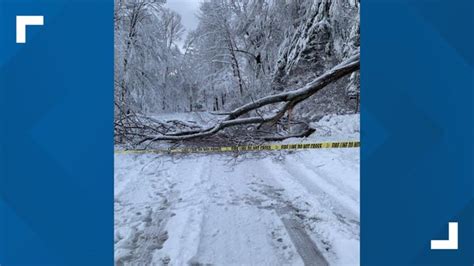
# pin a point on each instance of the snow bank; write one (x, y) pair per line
(332, 128)
(338, 125)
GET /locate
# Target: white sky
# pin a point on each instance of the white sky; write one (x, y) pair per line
(187, 9)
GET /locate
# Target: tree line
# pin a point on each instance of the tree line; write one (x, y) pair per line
(239, 52)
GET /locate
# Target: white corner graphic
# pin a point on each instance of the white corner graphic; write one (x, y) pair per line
(451, 243)
(22, 22)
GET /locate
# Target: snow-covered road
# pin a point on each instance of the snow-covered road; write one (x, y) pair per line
(272, 208)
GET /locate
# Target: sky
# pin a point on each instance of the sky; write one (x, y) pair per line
(188, 10)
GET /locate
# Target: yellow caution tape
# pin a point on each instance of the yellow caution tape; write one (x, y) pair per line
(269, 147)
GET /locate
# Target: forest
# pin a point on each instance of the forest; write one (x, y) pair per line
(189, 103)
(268, 67)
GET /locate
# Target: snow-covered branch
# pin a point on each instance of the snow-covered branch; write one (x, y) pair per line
(290, 99)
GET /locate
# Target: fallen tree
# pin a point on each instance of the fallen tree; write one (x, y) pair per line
(290, 100)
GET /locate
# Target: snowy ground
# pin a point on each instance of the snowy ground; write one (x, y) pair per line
(269, 208)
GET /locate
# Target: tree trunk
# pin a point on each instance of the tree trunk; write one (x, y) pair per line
(291, 99)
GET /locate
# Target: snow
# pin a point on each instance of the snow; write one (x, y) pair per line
(268, 208)
(339, 125)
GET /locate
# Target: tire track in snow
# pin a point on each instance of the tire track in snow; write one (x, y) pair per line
(251, 211)
(342, 201)
(305, 246)
(332, 225)
(292, 218)
(188, 209)
(236, 230)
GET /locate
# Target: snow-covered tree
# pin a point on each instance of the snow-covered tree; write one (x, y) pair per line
(240, 51)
